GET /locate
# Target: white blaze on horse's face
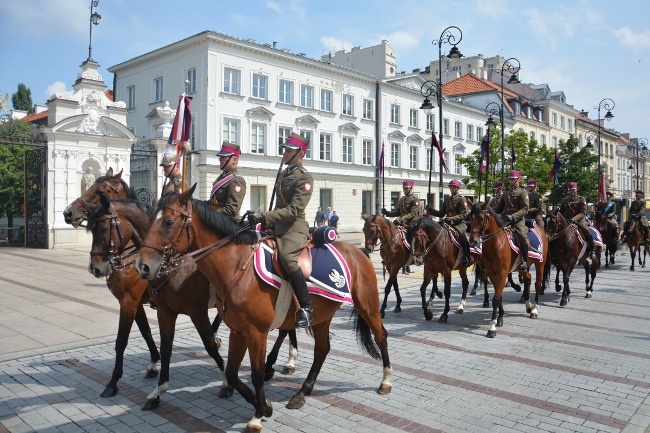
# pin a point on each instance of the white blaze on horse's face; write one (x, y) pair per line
(159, 214)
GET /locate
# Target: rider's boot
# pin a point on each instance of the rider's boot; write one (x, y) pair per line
(590, 243)
(523, 250)
(466, 254)
(304, 316)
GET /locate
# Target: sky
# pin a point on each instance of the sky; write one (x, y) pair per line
(589, 49)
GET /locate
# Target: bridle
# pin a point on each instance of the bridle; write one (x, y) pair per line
(377, 235)
(87, 210)
(483, 237)
(423, 237)
(556, 235)
(113, 255)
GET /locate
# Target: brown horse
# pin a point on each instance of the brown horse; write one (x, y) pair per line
(379, 231)
(566, 251)
(183, 224)
(633, 237)
(489, 233)
(610, 237)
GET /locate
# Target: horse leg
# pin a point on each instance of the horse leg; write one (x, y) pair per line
(367, 326)
(321, 349)
(525, 296)
(384, 304)
(215, 327)
(566, 292)
(145, 330)
(512, 283)
(428, 315)
(167, 326)
(499, 284)
(558, 287)
(486, 295)
(632, 255)
(289, 367)
(434, 290)
(204, 328)
(398, 308)
(532, 308)
(447, 280)
(465, 282)
(477, 278)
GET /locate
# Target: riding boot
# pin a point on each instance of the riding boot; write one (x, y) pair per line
(590, 243)
(304, 316)
(523, 250)
(408, 269)
(466, 254)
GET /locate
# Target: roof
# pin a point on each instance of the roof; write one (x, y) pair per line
(469, 83)
(32, 118)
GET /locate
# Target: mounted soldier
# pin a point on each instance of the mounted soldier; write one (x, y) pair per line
(536, 204)
(497, 189)
(172, 171)
(607, 211)
(408, 208)
(637, 210)
(574, 208)
(513, 208)
(229, 190)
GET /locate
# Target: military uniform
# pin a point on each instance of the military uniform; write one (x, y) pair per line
(408, 208)
(514, 206)
(574, 208)
(637, 210)
(228, 193)
(174, 184)
(607, 209)
(494, 201)
(536, 208)
(454, 210)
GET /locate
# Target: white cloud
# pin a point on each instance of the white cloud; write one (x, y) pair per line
(56, 87)
(330, 43)
(401, 41)
(637, 41)
(274, 6)
(298, 8)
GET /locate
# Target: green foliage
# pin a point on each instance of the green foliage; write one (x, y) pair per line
(12, 163)
(22, 99)
(578, 165)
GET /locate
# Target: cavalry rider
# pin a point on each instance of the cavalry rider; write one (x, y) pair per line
(535, 204)
(513, 207)
(607, 209)
(293, 189)
(637, 210)
(574, 208)
(172, 171)
(498, 192)
(229, 190)
(453, 212)
(408, 208)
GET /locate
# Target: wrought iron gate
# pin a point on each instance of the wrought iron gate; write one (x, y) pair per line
(144, 171)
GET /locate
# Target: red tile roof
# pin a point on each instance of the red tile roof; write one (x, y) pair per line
(469, 84)
(32, 118)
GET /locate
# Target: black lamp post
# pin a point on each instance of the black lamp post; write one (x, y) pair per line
(642, 144)
(94, 19)
(508, 65)
(492, 109)
(430, 88)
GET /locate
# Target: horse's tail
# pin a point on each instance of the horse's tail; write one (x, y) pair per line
(364, 336)
(547, 269)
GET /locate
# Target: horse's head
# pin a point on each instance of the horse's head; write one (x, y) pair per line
(420, 235)
(109, 186)
(555, 222)
(170, 233)
(372, 230)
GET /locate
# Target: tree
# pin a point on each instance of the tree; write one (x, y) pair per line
(4, 107)
(22, 99)
(11, 163)
(577, 166)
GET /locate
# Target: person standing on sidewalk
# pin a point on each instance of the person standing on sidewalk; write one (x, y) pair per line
(320, 217)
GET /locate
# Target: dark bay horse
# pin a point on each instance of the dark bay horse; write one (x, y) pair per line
(433, 246)
(633, 237)
(567, 252)
(381, 232)
(610, 237)
(183, 224)
(498, 259)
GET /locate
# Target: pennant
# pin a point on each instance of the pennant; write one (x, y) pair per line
(602, 193)
(179, 139)
(555, 171)
(485, 154)
(441, 152)
(380, 162)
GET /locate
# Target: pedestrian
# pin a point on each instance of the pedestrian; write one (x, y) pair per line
(229, 189)
(334, 221)
(320, 217)
(329, 214)
(408, 208)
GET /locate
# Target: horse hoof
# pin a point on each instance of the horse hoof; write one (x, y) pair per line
(397, 309)
(588, 295)
(486, 305)
(558, 288)
(517, 287)
(428, 315)
(288, 370)
(382, 314)
(522, 299)
(631, 268)
(218, 341)
(109, 391)
(268, 409)
(473, 292)
(151, 403)
(384, 389)
(252, 429)
(533, 316)
(296, 402)
(563, 301)
(225, 392)
(268, 375)
(460, 310)
(528, 309)
(443, 319)
(439, 294)
(491, 334)
(150, 374)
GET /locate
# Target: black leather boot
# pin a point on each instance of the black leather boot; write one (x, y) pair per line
(466, 254)
(304, 316)
(523, 250)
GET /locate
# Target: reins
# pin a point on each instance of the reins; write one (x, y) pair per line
(116, 259)
(426, 250)
(86, 206)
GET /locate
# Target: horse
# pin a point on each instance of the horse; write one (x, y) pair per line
(567, 253)
(226, 250)
(610, 237)
(394, 253)
(633, 237)
(489, 234)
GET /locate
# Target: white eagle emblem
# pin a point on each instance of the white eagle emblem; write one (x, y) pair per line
(237, 188)
(337, 279)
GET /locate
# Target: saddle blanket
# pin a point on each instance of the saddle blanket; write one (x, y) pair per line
(330, 277)
(534, 252)
(598, 238)
(402, 233)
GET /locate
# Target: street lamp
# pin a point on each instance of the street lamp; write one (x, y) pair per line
(508, 65)
(94, 19)
(447, 36)
(640, 143)
(608, 105)
(491, 109)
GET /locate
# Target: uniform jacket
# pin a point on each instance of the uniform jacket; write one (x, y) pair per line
(535, 204)
(514, 202)
(408, 208)
(604, 204)
(174, 185)
(574, 207)
(230, 195)
(293, 192)
(637, 208)
(454, 208)
(494, 201)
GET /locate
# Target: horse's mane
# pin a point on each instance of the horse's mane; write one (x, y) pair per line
(424, 223)
(476, 209)
(99, 211)
(129, 192)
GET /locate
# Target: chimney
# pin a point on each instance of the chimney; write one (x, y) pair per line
(275, 44)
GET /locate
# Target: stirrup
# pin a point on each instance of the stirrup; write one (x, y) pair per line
(304, 317)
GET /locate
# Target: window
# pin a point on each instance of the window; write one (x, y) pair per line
(413, 118)
(258, 198)
(366, 202)
(532, 135)
(555, 142)
(308, 135)
(191, 81)
(366, 151)
(430, 122)
(368, 109)
(231, 81)
(259, 86)
(543, 139)
(445, 126)
(457, 165)
(394, 113)
(283, 134)
(394, 199)
(413, 157)
(348, 105)
(347, 150)
(470, 133)
(158, 89)
(325, 147)
(446, 157)
(258, 138)
(428, 158)
(231, 130)
(325, 199)
(394, 154)
(570, 124)
(562, 122)
(326, 100)
(130, 97)
(554, 119)
(458, 130)
(286, 92)
(479, 133)
(306, 96)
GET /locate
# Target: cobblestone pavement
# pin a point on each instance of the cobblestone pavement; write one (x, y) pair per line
(581, 368)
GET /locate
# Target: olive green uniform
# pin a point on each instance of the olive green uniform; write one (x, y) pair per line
(536, 208)
(637, 210)
(454, 208)
(494, 201)
(574, 208)
(408, 208)
(611, 213)
(515, 203)
(229, 197)
(293, 192)
(173, 185)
